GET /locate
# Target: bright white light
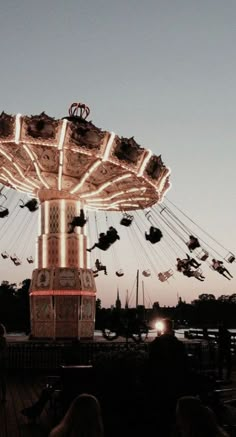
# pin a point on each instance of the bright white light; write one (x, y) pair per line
(62, 233)
(108, 146)
(159, 326)
(106, 199)
(14, 179)
(146, 159)
(105, 185)
(34, 160)
(60, 178)
(18, 128)
(5, 154)
(45, 250)
(61, 153)
(85, 177)
(46, 216)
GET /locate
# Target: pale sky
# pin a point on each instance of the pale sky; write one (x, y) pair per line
(161, 71)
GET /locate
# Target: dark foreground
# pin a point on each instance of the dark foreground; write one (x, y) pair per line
(24, 388)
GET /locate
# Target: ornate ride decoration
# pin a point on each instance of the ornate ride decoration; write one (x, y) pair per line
(154, 167)
(128, 150)
(85, 134)
(41, 126)
(6, 125)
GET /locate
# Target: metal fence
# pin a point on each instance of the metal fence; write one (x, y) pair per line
(51, 355)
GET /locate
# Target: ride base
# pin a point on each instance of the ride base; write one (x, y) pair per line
(63, 290)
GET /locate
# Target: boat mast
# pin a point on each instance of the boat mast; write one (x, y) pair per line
(137, 286)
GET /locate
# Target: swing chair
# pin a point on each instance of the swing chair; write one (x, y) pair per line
(3, 211)
(15, 260)
(30, 259)
(32, 205)
(126, 219)
(230, 258)
(202, 255)
(146, 273)
(119, 273)
(4, 255)
(164, 276)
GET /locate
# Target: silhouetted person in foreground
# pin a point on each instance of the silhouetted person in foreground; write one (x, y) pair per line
(83, 419)
(3, 357)
(220, 268)
(167, 374)
(224, 352)
(77, 221)
(193, 419)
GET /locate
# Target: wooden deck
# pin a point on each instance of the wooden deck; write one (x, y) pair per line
(24, 388)
(22, 391)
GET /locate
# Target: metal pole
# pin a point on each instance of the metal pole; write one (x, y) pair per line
(137, 285)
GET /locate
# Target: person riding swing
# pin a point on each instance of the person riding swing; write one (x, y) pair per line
(77, 221)
(154, 235)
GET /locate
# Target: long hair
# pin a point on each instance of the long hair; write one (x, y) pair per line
(83, 419)
(2, 330)
(196, 420)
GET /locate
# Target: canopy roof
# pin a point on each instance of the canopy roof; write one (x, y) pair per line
(72, 158)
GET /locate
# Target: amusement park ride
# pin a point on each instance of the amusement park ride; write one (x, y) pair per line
(70, 166)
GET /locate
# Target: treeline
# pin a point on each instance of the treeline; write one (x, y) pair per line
(14, 306)
(207, 310)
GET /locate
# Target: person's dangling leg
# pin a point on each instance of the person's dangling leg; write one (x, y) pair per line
(222, 273)
(227, 271)
(91, 248)
(36, 409)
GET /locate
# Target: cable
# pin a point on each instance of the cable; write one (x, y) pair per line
(205, 232)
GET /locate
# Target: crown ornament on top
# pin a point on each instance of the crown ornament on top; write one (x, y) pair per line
(79, 110)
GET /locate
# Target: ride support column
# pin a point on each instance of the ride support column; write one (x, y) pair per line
(63, 289)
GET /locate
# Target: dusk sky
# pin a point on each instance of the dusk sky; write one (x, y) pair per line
(161, 71)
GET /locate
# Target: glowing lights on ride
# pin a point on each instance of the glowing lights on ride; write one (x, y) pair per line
(108, 147)
(63, 225)
(105, 185)
(85, 177)
(36, 166)
(61, 153)
(18, 128)
(144, 163)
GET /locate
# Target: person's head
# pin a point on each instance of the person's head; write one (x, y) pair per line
(214, 260)
(168, 329)
(178, 259)
(2, 330)
(196, 420)
(83, 418)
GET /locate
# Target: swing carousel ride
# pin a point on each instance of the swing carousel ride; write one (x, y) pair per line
(68, 167)
(76, 180)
